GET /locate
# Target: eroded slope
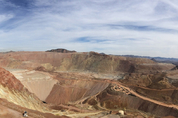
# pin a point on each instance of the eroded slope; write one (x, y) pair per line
(13, 91)
(39, 83)
(74, 91)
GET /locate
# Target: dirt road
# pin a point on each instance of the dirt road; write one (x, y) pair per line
(142, 97)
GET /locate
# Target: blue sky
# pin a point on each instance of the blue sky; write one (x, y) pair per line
(137, 27)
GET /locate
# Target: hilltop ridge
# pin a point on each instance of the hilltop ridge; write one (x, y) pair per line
(61, 50)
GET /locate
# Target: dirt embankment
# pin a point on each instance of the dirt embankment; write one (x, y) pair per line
(11, 110)
(110, 99)
(155, 86)
(14, 91)
(73, 91)
(37, 82)
(8, 80)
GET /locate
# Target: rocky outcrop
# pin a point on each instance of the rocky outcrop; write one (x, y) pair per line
(8, 80)
(60, 50)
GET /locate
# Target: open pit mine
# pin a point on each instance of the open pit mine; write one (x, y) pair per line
(69, 84)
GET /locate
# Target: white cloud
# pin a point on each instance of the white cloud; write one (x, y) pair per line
(5, 17)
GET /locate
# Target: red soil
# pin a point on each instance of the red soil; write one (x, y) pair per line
(8, 80)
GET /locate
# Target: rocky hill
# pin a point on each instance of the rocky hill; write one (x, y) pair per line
(60, 50)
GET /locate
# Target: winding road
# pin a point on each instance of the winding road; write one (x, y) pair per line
(142, 97)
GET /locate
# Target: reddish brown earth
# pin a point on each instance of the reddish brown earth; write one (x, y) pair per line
(9, 109)
(87, 84)
(8, 80)
(70, 91)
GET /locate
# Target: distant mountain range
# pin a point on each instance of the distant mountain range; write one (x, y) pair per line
(157, 59)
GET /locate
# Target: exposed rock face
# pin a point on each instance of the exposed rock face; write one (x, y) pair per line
(8, 80)
(71, 91)
(39, 83)
(95, 62)
(112, 100)
(154, 81)
(172, 77)
(60, 50)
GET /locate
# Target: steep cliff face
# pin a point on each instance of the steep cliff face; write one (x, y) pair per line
(7, 80)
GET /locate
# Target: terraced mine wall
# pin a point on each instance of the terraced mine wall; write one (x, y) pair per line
(88, 62)
(169, 96)
(110, 99)
(73, 91)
